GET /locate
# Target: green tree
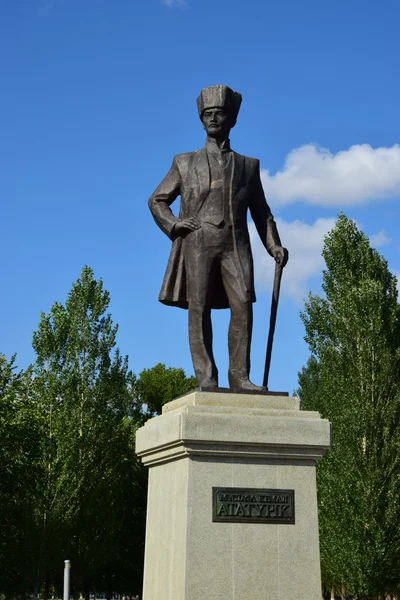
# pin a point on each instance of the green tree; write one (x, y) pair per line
(159, 385)
(352, 378)
(84, 393)
(19, 474)
(94, 488)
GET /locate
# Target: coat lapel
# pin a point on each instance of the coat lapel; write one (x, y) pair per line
(202, 169)
(237, 173)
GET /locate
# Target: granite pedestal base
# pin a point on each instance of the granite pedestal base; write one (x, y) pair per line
(208, 440)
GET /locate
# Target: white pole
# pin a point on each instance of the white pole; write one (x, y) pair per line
(67, 574)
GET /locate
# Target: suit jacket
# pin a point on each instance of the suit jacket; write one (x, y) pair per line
(189, 177)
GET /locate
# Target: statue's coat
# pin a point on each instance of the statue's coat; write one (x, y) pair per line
(189, 177)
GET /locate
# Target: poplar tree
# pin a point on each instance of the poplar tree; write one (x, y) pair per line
(94, 489)
(83, 390)
(352, 378)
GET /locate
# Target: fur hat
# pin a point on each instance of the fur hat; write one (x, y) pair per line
(222, 96)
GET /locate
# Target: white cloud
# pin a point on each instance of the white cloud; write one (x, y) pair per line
(172, 3)
(379, 239)
(352, 176)
(305, 261)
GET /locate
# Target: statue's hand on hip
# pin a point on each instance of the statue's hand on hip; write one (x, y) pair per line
(184, 226)
(280, 254)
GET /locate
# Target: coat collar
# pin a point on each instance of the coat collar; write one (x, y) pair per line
(212, 146)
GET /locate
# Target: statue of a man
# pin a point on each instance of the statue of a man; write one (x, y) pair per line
(211, 264)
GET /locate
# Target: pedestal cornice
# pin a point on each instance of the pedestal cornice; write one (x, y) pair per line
(239, 426)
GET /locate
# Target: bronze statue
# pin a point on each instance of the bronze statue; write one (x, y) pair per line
(211, 264)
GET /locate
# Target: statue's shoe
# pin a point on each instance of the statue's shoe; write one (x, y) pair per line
(208, 384)
(245, 384)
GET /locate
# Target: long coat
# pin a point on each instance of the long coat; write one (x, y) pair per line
(189, 177)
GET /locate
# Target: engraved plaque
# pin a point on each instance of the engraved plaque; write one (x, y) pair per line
(250, 505)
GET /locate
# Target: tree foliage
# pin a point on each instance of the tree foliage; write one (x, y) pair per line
(72, 486)
(352, 378)
(19, 472)
(159, 385)
(83, 387)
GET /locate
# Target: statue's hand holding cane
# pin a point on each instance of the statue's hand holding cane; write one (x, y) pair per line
(281, 255)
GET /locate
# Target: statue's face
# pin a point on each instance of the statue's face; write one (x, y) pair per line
(217, 122)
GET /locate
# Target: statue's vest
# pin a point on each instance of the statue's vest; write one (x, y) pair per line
(215, 209)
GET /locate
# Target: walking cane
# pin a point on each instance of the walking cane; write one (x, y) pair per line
(272, 320)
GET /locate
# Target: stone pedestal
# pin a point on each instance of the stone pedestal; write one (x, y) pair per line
(217, 440)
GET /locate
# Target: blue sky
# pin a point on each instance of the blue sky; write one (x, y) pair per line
(98, 95)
